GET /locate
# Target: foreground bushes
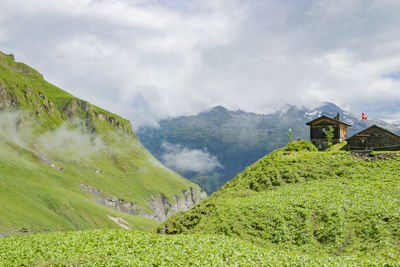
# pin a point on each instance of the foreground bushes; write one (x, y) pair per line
(331, 202)
(130, 248)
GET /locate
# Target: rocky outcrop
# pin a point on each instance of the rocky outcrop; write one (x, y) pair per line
(38, 101)
(18, 67)
(48, 162)
(93, 191)
(7, 100)
(114, 122)
(162, 207)
(78, 108)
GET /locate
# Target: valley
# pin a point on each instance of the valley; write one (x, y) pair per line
(78, 188)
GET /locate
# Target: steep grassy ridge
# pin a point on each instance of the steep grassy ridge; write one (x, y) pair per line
(298, 198)
(58, 153)
(129, 248)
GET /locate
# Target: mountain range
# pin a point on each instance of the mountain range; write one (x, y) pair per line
(214, 146)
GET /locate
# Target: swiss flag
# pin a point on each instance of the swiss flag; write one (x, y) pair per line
(363, 116)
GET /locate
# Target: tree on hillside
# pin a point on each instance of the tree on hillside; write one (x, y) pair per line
(329, 135)
(290, 134)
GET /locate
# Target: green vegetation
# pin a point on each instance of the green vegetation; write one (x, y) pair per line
(290, 134)
(329, 135)
(129, 248)
(295, 206)
(238, 138)
(300, 145)
(53, 146)
(300, 199)
(338, 146)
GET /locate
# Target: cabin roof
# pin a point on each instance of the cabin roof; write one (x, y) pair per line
(323, 117)
(362, 133)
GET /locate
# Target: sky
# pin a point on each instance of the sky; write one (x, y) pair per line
(147, 60)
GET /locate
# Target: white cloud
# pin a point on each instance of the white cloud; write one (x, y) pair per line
(70, 144)
(67, 142)
(183, 159)
(181, 57)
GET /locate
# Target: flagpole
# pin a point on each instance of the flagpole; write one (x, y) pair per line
(363, 117)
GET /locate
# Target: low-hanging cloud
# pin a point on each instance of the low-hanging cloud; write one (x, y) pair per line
(148, 60)
(9, 124)
(183, 159)
(70, 144)
(67, 142)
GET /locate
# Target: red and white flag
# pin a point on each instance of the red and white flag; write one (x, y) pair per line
(363, 116)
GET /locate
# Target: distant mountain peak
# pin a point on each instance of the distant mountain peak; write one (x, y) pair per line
(218, 109)
(329, 105)
(284, 108)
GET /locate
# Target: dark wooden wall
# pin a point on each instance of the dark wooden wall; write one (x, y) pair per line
(316, 132)
(378, 139)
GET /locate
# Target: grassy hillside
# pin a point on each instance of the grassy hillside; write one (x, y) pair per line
(301, 199)
(58, 153)
(129, 248)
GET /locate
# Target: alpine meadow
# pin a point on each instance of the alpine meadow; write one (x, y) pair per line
(199, 133)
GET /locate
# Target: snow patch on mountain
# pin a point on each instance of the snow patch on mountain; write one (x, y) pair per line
(313, 114)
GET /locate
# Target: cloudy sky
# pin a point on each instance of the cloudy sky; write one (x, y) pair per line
(146, 60)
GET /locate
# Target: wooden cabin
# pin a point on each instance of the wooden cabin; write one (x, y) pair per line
(321, 124)
(373, 138)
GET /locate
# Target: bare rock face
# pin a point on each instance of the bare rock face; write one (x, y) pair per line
(7, 100)
(91, 190)
(162, 207)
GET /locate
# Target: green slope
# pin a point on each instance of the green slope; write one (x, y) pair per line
(301, 199)
(129, 248)
(52, 142)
